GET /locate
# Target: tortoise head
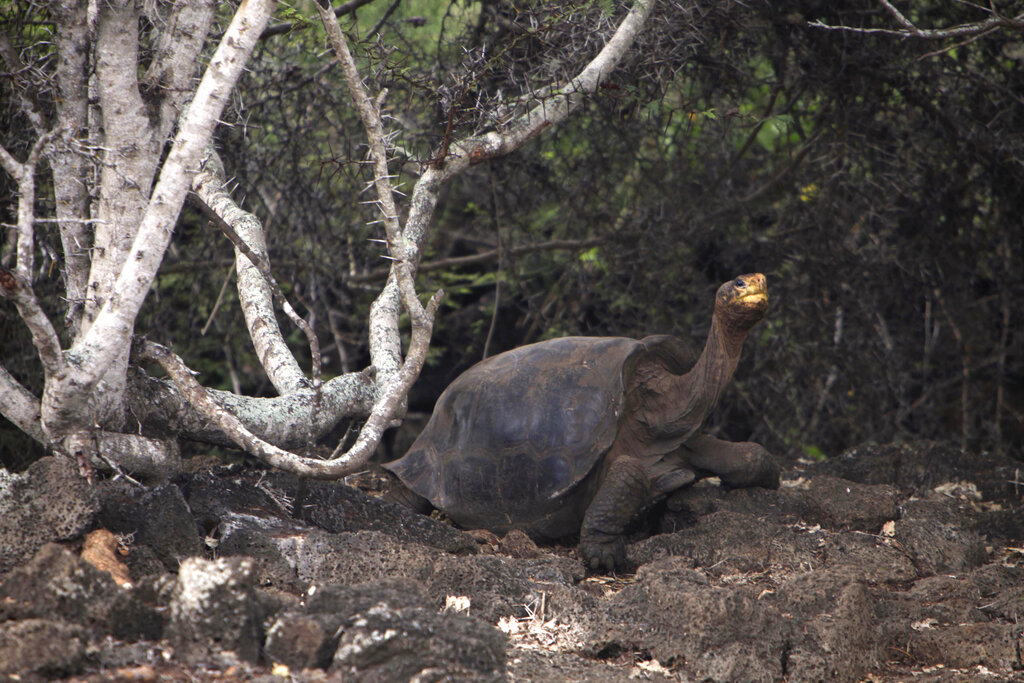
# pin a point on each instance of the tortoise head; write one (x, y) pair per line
(741, 302)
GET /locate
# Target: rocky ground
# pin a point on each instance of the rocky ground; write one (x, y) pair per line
(887, 563)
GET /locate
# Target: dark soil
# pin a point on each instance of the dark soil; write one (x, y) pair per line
(885, 563)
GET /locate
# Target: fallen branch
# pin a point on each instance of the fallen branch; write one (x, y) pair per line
(289, 421)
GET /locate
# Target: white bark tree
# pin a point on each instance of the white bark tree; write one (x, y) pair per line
(125, 145)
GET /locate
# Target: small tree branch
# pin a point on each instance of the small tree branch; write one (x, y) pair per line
(70, 188)
(256, 284)
(29, 106)
(384, 340)
(20, 407)
(379, 274)
(553, 111)
(178, 48)
(396, 389)
(344, 8)
(44, 336)
(17, 285)
(909, 30)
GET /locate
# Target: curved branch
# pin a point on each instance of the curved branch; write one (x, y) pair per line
(203, 401)
(385, 343)
(395, 390)
(289, 421)
(20, 407)
(553, 111)
(256, 284)
(17, 286)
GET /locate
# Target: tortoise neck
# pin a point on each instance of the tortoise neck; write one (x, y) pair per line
(715, 367)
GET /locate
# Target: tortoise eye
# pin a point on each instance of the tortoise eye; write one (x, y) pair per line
(740, 283)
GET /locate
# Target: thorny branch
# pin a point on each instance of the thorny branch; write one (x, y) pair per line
(277, 360)
(369, 112)
(910, 30)
(405, 255)
(17, 285)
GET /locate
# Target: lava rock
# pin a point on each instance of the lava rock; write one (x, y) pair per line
(337, 507)
(843, 504)
(386, 644)
(58, 582)
(41, 646)
(939, 536)
(159, 519)
(214, 607)
(50, 501)
(306, 636)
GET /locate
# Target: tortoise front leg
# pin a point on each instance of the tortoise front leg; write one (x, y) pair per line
(620, 496)
(739, 464)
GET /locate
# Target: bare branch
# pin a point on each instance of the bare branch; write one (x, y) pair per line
(44, 337)
(553, 111)
(395, 391)
(26, 100)
(369, 112)
(379, 274)
(67, 162)
(344, 8)
(909, 30)
(11, 165)
(385, 342)
(202, 401)
(17, 286)
(20, 407)
(178, 48)
(256, 284)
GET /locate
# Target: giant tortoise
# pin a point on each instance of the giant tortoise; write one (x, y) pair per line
(579, 434)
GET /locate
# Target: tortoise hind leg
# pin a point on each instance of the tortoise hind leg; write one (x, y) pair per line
(739, 465)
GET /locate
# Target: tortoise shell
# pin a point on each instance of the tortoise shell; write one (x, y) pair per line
(514, 440)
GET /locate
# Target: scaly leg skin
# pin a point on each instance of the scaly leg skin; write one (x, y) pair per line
(623, 492)
(738, 465)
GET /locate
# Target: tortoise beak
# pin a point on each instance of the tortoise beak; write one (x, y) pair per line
(756, 290)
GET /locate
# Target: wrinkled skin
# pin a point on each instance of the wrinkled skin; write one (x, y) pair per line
(578, 435)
